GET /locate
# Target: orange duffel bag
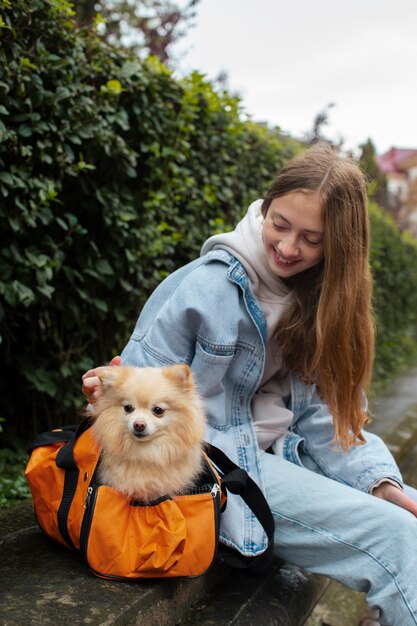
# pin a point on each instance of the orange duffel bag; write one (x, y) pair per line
(125, 539)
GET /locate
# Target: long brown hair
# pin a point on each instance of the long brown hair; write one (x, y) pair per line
(327, 335)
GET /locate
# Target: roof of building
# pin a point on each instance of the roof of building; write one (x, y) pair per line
(390, 161)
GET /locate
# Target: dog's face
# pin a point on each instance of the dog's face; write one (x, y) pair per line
(148, 403)
(145, 419)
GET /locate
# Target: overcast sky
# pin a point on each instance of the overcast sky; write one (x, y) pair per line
(288, 60)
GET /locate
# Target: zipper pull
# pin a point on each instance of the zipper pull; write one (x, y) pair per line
(87, 499)
(215, 490)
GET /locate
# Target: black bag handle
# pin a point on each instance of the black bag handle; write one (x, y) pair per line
(65, 457)
(52, 436)
(65, 460)
(237, 481)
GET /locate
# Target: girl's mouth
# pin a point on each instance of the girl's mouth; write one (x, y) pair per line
(279, 260)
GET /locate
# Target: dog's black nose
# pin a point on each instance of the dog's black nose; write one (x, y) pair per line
(139, 426)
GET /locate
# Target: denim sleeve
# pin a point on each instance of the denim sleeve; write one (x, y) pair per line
(361, 466)
(166, 330)
(183, 310)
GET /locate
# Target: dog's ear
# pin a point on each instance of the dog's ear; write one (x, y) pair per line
(108, 376)
(180, 374)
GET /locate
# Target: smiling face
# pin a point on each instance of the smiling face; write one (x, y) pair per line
(293, 233)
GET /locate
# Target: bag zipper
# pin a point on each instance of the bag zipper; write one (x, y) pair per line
(215, 494)
(89, 506)
(215, 490)
(88, 498)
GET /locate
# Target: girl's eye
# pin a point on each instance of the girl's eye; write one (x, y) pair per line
(158, 411)
(280, 227)
(313, 242)
(129, 408)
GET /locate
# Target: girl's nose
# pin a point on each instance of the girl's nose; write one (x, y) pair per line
(288, 247)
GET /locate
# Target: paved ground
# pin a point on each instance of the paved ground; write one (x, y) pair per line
(393, 404)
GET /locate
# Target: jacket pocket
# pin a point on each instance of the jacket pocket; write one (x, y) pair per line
(209, 366)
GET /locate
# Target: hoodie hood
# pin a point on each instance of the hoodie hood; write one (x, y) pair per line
(271, 417)
(245, 243)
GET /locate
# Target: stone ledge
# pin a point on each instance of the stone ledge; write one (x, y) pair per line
(284, 597)
(43, 583)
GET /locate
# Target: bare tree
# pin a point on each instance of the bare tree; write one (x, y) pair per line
(316, 133)
(146, 26)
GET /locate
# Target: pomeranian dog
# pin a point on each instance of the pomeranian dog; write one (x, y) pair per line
(150, 425)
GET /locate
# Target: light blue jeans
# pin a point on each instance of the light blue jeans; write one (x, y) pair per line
(353, 537)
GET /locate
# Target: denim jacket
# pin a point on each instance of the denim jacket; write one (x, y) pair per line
(205, 314)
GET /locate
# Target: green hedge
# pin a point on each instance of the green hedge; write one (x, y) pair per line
(394, 268)
(112, 174)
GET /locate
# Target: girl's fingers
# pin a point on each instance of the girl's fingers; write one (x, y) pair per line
(404, 501)
(116, 360)
(89, 384)
(92, 388)
(91, 373)
(388, 492)
(91, 381)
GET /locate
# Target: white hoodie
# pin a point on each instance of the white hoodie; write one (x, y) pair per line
(271, 417)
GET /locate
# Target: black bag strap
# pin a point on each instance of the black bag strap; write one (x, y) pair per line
(65, 457)
(65, 460)
(237, 481)
(68, 435)
(52, 436)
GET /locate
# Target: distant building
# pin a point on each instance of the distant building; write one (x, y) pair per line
(400, 167)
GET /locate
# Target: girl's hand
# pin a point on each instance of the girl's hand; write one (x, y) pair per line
(388, 492)
(91, 381)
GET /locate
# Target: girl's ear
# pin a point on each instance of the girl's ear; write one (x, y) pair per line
(180, 374)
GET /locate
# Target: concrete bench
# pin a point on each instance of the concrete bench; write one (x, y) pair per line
(43, 583)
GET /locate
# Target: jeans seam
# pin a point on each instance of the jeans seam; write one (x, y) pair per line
(352, 545)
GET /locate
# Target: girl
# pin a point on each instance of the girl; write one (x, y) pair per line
(275, 322)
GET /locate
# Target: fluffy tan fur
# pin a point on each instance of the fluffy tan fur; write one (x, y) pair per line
(150, 425)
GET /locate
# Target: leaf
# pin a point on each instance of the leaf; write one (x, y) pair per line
(24, 130)
(66, 370)
(61, 223)
(104, 267)
(47, 290)
(26, 64)
(23, 293)
(62, 93)
(6, 178)
(42, 380)
(101, 305)
(114, 86)
(69, 151)
(131, 172)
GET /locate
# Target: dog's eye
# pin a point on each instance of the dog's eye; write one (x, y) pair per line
(129, 408)
(158, 411)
